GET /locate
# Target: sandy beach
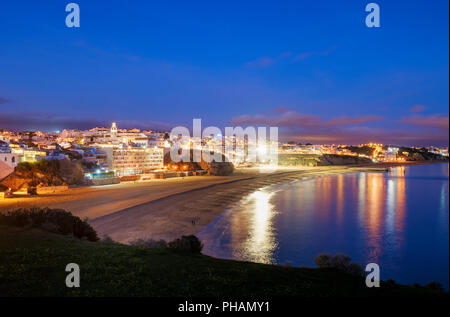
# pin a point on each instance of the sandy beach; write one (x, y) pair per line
(166, 208)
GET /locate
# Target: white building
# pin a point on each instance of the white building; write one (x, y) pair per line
(10, 159)
(7, 156)
(133, 160)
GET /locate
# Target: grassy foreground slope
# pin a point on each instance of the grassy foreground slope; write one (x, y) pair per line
(32, 263)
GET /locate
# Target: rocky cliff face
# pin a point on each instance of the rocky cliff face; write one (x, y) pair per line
(14, 182)
(44, 173)
(218, 168)
(5, 170)
(212, 168)
(319, 160)
(333, 159)
(71, 172)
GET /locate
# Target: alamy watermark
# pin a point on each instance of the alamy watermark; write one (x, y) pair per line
(373, 276)
(236, 145)
(73, 18)
(73, 278)
(373, 18)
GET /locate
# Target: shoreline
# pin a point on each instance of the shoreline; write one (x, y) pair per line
(191, 211)
(168, 208)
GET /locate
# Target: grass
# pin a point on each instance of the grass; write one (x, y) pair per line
(32, 263)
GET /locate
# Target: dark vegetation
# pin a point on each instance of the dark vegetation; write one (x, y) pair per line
(40, 172)
(365, 150)
(340, 262)
(420, 154)
(185, 243)
(44, 173)
(212, 168)
(409, 154)
(33, 261)
(54, 220)
(31, 175)
(73, 155)
(72, 172)
(319, 160)
(189, 243)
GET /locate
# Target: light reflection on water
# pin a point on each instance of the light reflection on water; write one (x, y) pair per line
(258, 234)
(397, 219)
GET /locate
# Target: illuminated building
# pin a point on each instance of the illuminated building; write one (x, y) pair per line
(26, 155)
(133, 160)
(9, 159)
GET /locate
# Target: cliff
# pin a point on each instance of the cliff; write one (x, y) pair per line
(319, 160)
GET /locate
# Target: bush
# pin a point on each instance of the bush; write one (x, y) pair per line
(222, 168)
(188, 243)
(149, 244)
(355, 269)
(107, 239)
(322, 260)
(434, 285)
(340, 262)
(57, 220)
(390, 283)
(43, 172)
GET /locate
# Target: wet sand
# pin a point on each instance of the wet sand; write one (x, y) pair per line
(166, 208)
(97, 201)
(189, 212)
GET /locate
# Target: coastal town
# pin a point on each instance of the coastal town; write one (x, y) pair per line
(186, 153)
(102, 156)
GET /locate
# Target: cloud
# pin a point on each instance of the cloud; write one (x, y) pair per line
(280, 109)
(305, 55)
(344, 120)
(47, 122)
(4, 100)
(417, 108)
(364, 135)
(261, 62)
(283, 119)
(435, 121)
(286, 54)
(286, 118)
(267, 61)
(304, 128)
(302, 56)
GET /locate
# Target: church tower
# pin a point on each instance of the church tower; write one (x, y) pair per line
(114, 130)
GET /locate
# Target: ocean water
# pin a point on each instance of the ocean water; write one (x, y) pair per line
(399, 220)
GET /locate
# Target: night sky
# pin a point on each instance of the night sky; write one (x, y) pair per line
(312, 68)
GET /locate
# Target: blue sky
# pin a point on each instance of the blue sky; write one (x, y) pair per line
(310, 67)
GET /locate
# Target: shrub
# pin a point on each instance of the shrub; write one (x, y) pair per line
(43, 172)
(149, 244)
(57, 220)
(107, 239)
(390, 282)
(340, 262)
(355, 269)
(188, 243)
(434, 285)
(322, 260)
